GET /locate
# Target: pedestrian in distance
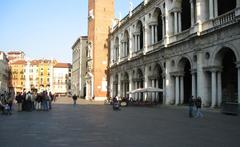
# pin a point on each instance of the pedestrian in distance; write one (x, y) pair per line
(74, 99)
(198, 106)
(19, 101)
(191, 105)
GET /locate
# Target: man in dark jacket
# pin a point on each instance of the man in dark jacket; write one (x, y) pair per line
(74, 99)
(191, 104)
(19, 101)
(198, 106)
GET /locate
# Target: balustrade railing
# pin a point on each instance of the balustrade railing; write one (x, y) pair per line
(222, 19)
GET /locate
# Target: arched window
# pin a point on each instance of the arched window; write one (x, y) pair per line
(126, 43)
(140, 31)
(157, 17)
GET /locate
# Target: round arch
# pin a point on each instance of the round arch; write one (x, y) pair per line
(157, 17)
(126, 40)
(139, 29)
(184, 58)
(185, 66)
(226, 58)
(219, 48)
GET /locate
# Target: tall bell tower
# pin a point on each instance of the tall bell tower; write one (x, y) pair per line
(100, 15)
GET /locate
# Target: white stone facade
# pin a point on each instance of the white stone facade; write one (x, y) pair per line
(4, 72)
(61, 79)
(79, 66)
(187, 48)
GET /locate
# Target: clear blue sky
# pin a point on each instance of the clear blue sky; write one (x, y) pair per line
(46, 28)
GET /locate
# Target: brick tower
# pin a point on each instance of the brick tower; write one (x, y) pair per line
(100, 15)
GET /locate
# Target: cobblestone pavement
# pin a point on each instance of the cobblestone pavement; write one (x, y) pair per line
(90, 124)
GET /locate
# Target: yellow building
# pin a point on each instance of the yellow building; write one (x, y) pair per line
(32, 75)
(17, 75)
(45, 69)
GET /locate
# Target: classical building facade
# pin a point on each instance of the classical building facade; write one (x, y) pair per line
(4, 72)
(61, 78)
(79, 66)
(37, 75)
(17, 75)
(100, 18)
(185, 47)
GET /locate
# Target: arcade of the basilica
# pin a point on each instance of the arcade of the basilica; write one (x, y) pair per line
(185, 47)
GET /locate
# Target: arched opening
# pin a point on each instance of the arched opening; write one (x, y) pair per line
(157, 82)
(225, 6)
(140, 31)
(139, 84)
(157, 17)
(186, 15)
(226, 58)
(126, 41)
(187, 80)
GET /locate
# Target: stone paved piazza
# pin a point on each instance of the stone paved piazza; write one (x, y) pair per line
(91, 124)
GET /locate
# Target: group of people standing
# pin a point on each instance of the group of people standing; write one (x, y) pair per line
(195, 105)
(34, 101)
(6, 101)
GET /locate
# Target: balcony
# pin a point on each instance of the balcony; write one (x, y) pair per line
(222, 20)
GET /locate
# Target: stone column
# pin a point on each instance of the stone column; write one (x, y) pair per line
(123, 88)
(219, 86)
(111, 86)
(202, 88)
(238, 4)
(193, 85)
(169, 24)
(122, 49)
(146, 37)
(181, 90)
(138, 40)
(164, 90)
(130, 43)
(192, 12)
(175, 23)
(119, 50)
(169, 83)
(239, 85)
(215, 8)
(135, 43)
(211, 14)
(214, 88)
(156, 34)
(179, 22)
(163, 27)
(152, 32)
(130, 84)
(153, 94)
(177, 90)
(119, 85)
(145, 81)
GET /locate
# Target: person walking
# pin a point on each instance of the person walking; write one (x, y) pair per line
(198, 106)
(19, 101)
(74, 99)
(191, 104)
